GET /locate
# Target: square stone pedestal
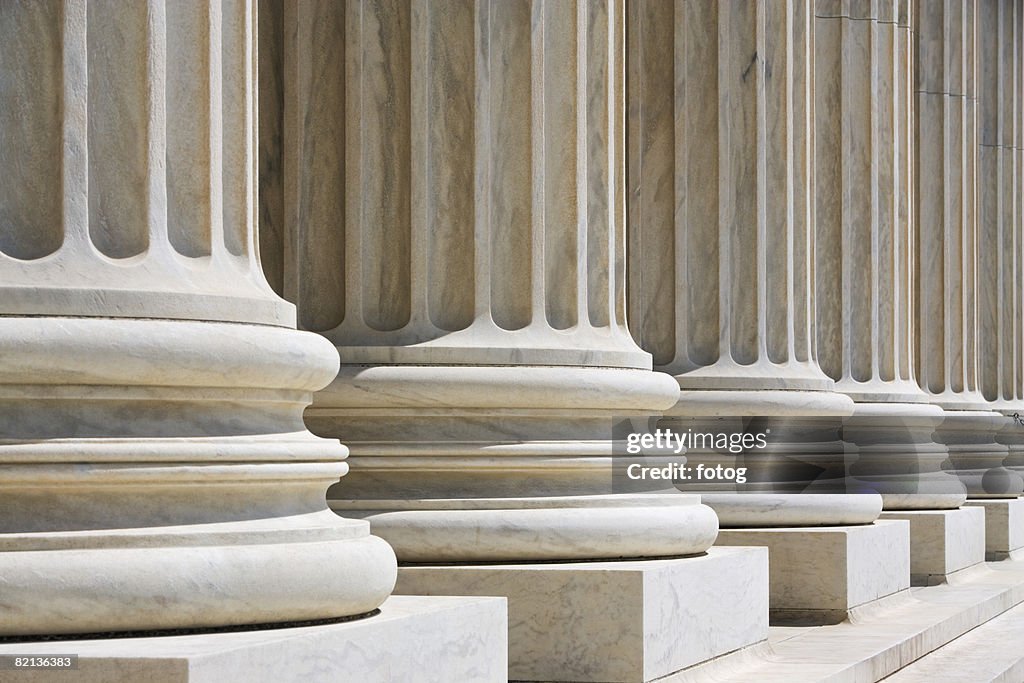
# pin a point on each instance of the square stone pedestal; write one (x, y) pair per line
(942, 541)
(818, 574)
(1004, 526)
(628, 621)
(412, 639)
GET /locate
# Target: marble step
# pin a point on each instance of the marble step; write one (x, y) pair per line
(878, 639)
(988, 654)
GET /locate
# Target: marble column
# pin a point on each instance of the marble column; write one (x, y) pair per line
(452, 220)
(156, 471)
(999, 254)
(721, 190)
(1000, 216)
(865, 256)
(948, 245)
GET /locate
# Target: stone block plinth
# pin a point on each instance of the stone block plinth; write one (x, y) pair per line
(818, 574)
(616, 621)
(942, 541)
(1004, 526)
(412, 639)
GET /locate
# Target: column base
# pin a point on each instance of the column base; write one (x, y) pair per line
(616, 621)
(412, 638)
(541, 529)
(898, 457)
(976, 455)
(750, 510)
(942, 542)
(819, 574)
(156, 474)
(1004, 526)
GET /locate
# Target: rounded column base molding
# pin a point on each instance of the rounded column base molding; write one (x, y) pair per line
(454, 432)
(794, 479)
(758, 510)
(1012, 435)
(191, 585)
(500, 463)
(252, 303)
(485, 344)
(897, 456)
(365, 390)
(977, 457)
(763, 375)
(541, 529)
(761, 403)
(157, 475)
(924, 495)
(882, 391)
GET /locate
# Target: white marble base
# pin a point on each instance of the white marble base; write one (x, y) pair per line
(819, 574)
(942, 541)
(633, 620)
(990, 652)
(1004, 526)
(439, 639)
(889, 634)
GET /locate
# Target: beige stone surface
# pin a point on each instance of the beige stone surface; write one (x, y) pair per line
(1004, 526)
(954, 243)
(436, 639)
(722, 232)
(129, 163)
(1000, 242)
(851, 566)
(896, 454)
(985, 653)
(881, 638)
(864, 237)
(865, 265)
(452, 201)
(943, 542)
(976, 453)
(541, 527)
(156, 472)
(616, 621)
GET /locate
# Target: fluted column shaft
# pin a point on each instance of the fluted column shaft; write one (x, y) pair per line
(452, 212)
(947, 211)
(722, 290)
(128, 153)
(865, 249)
(473, 177)
(152, 383)
(721, 189)
(948, 240)
(1000, 216)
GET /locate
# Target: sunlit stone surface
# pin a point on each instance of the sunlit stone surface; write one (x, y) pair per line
(156, 472)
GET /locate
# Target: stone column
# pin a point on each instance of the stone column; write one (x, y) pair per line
(1000, 226)
(156, 472)
(1000, 252)
(947, 243)
(721, 186)
(865, 249)
(453, 224)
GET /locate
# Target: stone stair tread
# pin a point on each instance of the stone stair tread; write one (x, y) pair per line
(991, 652)
(879, 639)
